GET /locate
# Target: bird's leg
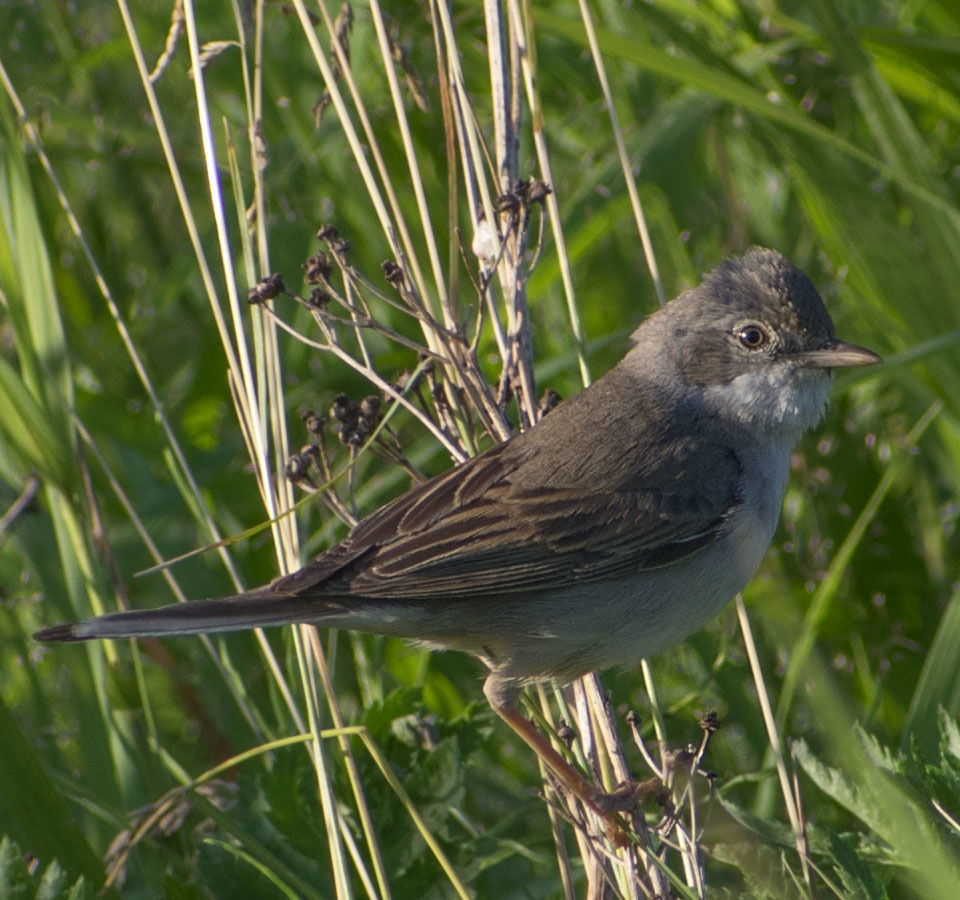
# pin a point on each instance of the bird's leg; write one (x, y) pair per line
(603, 804)
(567, 774)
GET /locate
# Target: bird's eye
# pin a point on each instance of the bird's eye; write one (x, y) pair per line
(753, 337)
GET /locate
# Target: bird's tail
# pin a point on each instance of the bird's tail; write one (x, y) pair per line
(254, 609)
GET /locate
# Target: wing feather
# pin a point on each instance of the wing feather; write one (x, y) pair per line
(509, 521)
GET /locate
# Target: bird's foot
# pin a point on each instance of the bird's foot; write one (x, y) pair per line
(625, 798)
(630, 794)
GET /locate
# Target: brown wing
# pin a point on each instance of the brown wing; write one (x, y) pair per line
(514, 519)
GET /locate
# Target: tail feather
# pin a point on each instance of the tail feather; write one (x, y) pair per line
(252, 610)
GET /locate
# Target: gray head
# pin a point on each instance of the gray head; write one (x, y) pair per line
(756, 339)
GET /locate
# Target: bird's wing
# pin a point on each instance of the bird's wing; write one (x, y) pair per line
(482, 529)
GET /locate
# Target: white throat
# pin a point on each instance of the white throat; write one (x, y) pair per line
(779, 400)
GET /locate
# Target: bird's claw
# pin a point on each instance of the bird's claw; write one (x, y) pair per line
(628, 795)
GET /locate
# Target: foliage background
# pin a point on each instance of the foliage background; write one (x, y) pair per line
(829, 131)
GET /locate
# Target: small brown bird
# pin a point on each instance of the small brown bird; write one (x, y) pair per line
(617, 525)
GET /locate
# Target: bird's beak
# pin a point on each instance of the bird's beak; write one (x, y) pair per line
(835, 354)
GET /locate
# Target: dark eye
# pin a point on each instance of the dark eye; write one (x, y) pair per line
(752, 336)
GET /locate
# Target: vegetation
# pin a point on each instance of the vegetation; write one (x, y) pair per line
(148, 410)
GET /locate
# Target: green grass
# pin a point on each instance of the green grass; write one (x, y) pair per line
(355, 766)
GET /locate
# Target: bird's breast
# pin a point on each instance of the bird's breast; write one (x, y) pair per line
(616, 623)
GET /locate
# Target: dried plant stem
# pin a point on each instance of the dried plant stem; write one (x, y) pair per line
(522, 25)
(625, 165)
(799, 835)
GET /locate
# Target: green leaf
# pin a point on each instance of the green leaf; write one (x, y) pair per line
(35, 407)
(939, 684)
(949, 735)
(770, 831)
(897, 812)
(28, 431)
(858, 879)
(34, 810)
(16, 882)
(14, 877)
(763, 869)
(227, 871)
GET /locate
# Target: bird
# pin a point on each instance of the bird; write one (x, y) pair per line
(620, 523)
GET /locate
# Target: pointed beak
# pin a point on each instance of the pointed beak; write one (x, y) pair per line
(837, 354)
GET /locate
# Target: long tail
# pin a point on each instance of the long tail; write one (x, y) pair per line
(251, 610)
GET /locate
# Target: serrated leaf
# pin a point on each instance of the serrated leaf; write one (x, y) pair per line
(879, 754)
(839, 786)
(858, 879)
(771, 831)
(949, 734)
(14, 877)
(439, 774)
(16, 882)
(378, 718)
(762, 867)
(898, 813)
(79, 890)
(53, 883)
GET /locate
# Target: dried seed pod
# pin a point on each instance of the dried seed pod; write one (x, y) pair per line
(266, 289)
(359, 432)
(392, 272)
(710, 723)
(536, 191)
(319, 298)
(343, 409)
(311, 421)
(296, 468)
(317, 269)
(370, 407)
